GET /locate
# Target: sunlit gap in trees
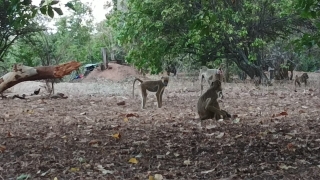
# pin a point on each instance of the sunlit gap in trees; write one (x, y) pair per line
(98, 11)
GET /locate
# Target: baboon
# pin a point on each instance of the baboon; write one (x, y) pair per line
(51, 81)
(209, 75)
(208, 106)
(302, 79)
(152, 86)
(171, 69)
(220, 76)
(256, 80)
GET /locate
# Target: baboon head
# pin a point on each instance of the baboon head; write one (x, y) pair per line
(165, 80)
(305, 76)
(216, 85)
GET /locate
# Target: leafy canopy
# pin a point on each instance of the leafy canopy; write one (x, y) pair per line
(159, 30)
(309, 9)
(17, 19)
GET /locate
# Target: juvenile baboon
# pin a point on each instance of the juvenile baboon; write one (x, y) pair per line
(152, 86)
(209, 75)
(302, 79)
(208, 106)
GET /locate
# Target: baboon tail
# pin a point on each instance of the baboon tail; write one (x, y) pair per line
(204, 68)
(201, 84)
(225, 114)
(134, 81)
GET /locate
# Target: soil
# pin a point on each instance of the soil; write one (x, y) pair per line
(274, 132)
(116, 72)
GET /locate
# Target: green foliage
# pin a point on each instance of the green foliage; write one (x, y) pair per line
(159, 30)
(73, 38)
(105, 37)
(284, 66)
(33, 50)
(17, 20)
(309, 59)
(72, 41)
(309, 9)
(309, 64)
(47, 7)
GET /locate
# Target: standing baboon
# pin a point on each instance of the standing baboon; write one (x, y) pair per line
(208, 106)
(302, 79)
(152, 86)
(209, 75)
(51, 81)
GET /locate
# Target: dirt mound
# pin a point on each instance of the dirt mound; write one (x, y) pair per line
(117, 73)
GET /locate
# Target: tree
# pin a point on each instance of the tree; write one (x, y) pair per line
(33, 50)
(16, 19)
(105, 37)
(204, 30)
(73, 36)
(72, 40)
(309, 10)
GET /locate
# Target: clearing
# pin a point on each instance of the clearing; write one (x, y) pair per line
(88, 136)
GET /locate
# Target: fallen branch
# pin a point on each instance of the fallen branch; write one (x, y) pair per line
(37, 97)
(23, 96)
(20, 73)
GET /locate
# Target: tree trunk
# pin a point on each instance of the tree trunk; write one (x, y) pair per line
(243, 63)
(105, 58)
(249, 69)
(20, 73)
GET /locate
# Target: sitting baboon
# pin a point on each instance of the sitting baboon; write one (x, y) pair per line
(209, 75)
(208, 106)
(302, 79)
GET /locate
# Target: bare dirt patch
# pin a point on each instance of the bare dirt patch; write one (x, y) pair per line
(116, 73)
(76, 138)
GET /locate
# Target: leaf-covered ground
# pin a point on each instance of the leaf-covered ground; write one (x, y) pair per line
(274, 136)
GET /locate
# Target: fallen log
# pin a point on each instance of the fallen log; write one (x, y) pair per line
(20, 73)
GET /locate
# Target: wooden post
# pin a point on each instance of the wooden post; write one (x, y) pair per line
(105, 58)
(271, 72)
